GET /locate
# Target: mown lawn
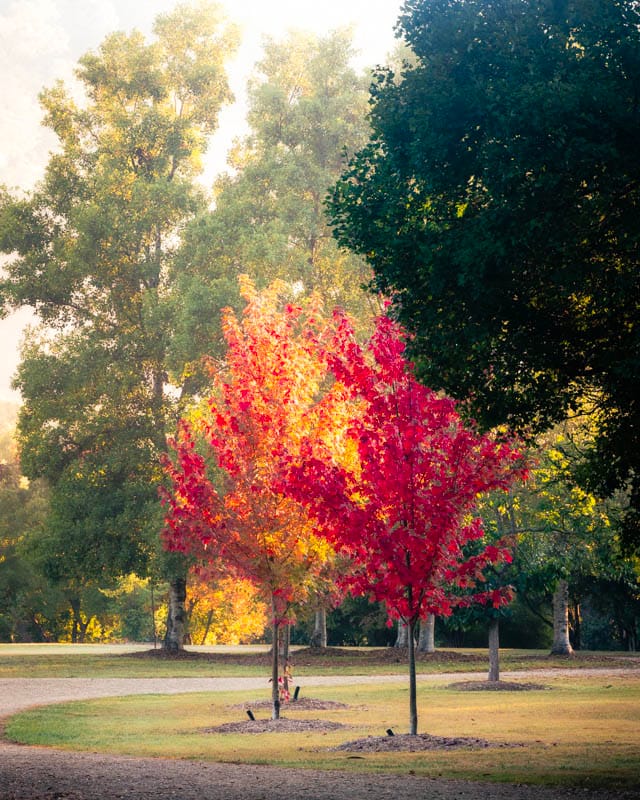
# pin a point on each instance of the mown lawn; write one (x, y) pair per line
(580, 732)
(140, 661)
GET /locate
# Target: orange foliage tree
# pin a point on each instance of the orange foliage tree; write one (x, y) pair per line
(224, 611)
(225, 504)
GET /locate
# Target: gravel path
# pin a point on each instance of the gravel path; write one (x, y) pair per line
(35, 773)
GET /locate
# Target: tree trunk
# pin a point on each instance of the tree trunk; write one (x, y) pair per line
(319, 636)
(285, 642)
(78, 625)
(575, 624)
(494, 650)
(561, 644)
(402, 639)
(207, 627)
(176, 616)
(426, 637)
(413, 702)
(275, 688)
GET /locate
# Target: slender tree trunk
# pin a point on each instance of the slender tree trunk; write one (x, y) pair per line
(176, 615)
(402, 639)
(153, 617)
(413, 701)
(207, 626)
(426, 637)
(275, 688)
(285, 642)
(78, 627)
(575, 620)
(319, 636)
(494, 650)
(561, 644)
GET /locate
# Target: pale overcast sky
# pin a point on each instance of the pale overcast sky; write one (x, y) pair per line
(41, 40)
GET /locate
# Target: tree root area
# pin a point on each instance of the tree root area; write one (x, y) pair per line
(413, 743)
(282, 725)
(497, 686)
(301, 704)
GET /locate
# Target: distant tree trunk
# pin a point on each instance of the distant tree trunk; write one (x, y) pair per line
(319, 636)
(78, 625)
(207, 627)
(561, 644)
(402, 639)
(176, 615)
(494, 650)
(426, 637)
(575, 620)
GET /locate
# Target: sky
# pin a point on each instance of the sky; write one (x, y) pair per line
(41, 41)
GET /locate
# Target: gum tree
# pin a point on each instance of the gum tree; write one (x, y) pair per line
(91, 250)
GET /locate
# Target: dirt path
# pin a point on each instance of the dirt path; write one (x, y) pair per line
(33, 773)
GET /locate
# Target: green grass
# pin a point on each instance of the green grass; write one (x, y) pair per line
(582, 732)
(102, 661)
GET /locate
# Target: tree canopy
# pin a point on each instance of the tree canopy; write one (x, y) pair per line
(226, 504)
(404, 511)
(307, 110)
(498, 199)
(91, 251)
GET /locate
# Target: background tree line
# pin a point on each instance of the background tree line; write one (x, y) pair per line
(128, 262)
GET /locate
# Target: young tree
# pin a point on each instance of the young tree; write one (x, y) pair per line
(225, 504)
(92, 252)
(405, 513)
(499, 198)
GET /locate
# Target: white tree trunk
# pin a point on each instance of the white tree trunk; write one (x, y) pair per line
(319, 636)
(494, 650)
(561, 644)
(426, 637)
(402, 639)
(176, 616)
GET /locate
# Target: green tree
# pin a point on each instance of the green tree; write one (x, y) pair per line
(92, 251)
(29, 607)
(567, 547)
(307, 111)
(498, 197)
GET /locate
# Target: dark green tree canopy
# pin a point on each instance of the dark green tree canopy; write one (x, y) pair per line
(498, 199)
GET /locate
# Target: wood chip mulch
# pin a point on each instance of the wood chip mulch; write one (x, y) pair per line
(301, 704)
(423, 741)
(282, 725)
(497, 686)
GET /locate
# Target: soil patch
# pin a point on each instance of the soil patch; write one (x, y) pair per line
(336, 657)
(282, 725)
(301, 704)
(318, 657)
(497, 686)
(422, 741)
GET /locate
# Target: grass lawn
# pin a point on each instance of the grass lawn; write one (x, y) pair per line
(139, 661)
(580, 732)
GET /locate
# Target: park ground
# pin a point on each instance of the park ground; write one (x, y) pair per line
(57, 773)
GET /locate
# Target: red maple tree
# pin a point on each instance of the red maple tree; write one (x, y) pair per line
(404, 511)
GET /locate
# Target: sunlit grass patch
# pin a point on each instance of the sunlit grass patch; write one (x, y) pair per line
(583, 732)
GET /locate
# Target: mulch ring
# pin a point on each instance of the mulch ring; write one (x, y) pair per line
(414, 743)
(497, 686)
(282, 725)
(301, 704)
